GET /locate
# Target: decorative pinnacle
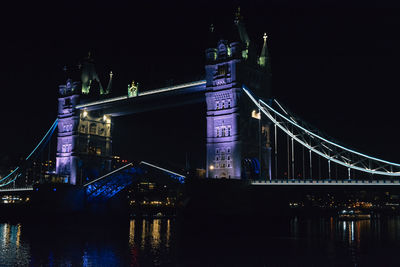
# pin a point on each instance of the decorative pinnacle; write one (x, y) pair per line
(212, 28)
(265, 36)
(238, 17)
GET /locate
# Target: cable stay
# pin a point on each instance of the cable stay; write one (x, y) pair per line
(322, 146)
(41, 144)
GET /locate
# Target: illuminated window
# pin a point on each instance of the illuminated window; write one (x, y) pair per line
(223, 131)
(222, 70)
(98, 151)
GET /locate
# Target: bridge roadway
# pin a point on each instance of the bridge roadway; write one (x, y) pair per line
(332, 182)
(172, 96)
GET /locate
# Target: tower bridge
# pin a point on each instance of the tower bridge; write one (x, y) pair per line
(244, 127)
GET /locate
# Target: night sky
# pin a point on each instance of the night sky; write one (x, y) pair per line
(335, 66)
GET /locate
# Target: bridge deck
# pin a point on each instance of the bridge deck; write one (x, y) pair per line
(293, 182)
(16, 189)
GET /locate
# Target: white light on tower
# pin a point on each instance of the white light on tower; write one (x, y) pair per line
(255, 115)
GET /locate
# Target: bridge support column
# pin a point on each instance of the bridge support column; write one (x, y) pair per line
(238, 144)
(68, 115)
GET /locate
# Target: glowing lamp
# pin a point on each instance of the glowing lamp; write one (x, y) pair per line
(84, 113)
(211, 167)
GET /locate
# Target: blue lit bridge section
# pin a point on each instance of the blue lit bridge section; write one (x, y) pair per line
(318, 151)
(107, 186)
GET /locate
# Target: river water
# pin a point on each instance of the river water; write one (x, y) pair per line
(288, 241)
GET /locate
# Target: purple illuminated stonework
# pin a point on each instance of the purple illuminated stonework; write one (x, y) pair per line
(84, 138)
(66, 159)
(237, 144)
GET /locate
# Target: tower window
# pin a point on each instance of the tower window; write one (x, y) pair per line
(92, 129)
(223, 131)
(222, 70)
(229, 131)
(217, 132)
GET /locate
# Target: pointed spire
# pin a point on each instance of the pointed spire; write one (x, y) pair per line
(241, 30)
(109, 83)
(264, 56)
(211, 37)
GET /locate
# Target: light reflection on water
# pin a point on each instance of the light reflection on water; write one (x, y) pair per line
(158, 242)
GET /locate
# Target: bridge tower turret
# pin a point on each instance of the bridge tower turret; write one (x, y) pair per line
(236, 140)
(84, 142)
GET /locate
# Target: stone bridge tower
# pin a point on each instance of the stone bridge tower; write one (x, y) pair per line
(234, 143)
(84, 143)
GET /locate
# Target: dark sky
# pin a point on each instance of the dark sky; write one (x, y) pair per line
(334, 65)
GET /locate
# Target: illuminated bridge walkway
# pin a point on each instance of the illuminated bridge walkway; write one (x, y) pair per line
(161, 98)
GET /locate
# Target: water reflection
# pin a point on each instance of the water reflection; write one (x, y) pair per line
(159, 242)
(13, 252)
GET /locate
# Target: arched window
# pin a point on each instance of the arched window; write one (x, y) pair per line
(223, 131)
